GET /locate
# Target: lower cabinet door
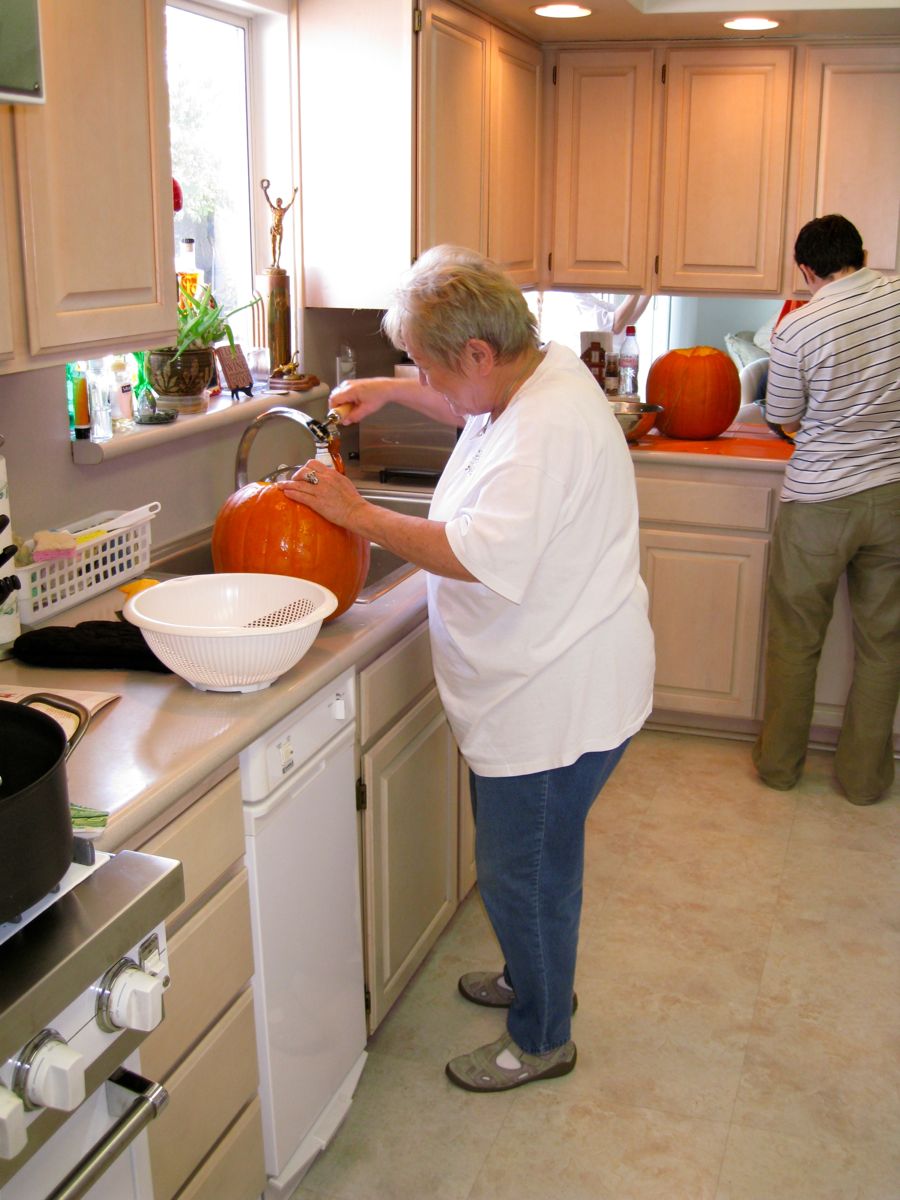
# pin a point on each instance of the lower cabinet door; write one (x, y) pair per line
(410, 845)
(706, 602)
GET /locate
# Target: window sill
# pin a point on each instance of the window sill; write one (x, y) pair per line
(222, 412)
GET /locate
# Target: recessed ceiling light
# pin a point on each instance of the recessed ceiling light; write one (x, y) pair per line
(751, 23)
(562, 10)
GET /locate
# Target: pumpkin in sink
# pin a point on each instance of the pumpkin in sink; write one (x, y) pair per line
(259, 529)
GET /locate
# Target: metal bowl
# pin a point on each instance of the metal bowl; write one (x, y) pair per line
(635, 418)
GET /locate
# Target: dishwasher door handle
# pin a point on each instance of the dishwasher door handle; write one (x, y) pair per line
(136, 1101)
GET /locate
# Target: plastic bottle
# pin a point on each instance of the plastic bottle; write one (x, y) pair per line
(628, 366)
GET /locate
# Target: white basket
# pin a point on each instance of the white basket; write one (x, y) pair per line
(234, 632)
(58, 583)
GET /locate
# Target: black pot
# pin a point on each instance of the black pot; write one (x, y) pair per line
(36, 839)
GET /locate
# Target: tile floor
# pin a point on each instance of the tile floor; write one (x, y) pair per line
(739, 988)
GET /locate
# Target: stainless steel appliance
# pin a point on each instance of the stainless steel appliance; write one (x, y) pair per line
(402, 444)
(82, 976)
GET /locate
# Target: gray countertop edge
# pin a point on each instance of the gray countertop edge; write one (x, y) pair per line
(163, 739)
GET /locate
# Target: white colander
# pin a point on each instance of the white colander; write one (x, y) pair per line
(231, 632)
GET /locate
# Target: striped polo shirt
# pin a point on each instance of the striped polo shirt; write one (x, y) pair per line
(835, 363)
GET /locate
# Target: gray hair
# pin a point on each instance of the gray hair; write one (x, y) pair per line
(451, 295)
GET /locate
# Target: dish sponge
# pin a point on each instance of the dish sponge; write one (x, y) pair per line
(58, 543)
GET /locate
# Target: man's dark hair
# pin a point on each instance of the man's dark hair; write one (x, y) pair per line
(829, 244)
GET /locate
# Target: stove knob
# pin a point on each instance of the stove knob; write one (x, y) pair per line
(130, 998)
(12, 1124)
(55, 1074)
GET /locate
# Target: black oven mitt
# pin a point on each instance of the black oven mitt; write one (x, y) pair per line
(97, 645)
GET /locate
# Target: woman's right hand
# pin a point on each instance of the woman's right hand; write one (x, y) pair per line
(358, 398)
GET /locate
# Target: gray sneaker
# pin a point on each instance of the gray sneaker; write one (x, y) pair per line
(480, 1071)
(485, 988)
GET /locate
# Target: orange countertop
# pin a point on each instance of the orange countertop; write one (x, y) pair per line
(739, 441)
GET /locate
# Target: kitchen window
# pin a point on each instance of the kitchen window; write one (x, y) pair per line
(229, 118)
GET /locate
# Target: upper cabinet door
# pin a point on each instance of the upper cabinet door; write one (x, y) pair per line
(454, 99)
(850, 145)
(94, 179)
(603, 169)
(724, 180)
(514, 178)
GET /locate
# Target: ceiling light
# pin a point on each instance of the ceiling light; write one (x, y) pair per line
(751, 23)
(562, 10)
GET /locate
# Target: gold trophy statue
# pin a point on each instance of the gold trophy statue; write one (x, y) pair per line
(275, 285)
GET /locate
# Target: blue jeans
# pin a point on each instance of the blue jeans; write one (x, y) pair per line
(529, 851)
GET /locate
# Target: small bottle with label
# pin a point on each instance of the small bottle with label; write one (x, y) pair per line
(120, 395)
(189, 276)
(629, 364)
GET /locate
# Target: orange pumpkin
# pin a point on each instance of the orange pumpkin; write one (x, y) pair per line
(699, 390)
(259, 529)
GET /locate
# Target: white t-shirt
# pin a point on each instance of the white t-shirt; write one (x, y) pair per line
(550, 654)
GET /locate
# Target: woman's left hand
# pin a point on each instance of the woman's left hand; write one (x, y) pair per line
(324, 490)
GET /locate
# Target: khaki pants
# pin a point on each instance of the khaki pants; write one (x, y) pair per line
(812, 546)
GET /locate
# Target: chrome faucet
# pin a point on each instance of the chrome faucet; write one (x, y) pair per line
(323, 434)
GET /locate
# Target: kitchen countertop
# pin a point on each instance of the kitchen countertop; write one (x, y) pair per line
(164, 739)
(745, 444)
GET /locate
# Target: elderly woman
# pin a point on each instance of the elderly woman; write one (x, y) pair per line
(542, 649)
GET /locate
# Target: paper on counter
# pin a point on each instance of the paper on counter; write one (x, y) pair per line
(92, 701)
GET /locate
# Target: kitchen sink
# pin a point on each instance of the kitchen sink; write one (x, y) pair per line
(386, 569)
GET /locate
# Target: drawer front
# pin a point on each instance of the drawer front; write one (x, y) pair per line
(236, 1168)
(207, 839)
(711, 505)
(206, 1093)
(210, 961)
(390, 685)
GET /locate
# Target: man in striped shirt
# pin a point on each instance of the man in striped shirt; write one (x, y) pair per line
(834, 378)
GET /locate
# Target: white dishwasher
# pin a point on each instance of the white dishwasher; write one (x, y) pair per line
(298, 784)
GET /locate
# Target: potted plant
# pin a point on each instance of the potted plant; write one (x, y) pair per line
(180, 374)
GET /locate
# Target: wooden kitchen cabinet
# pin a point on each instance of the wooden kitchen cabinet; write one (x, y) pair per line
(725, 169)
(704, 555)
(93, 271)
(603, 179)
(410, 775)
(453, 127)
(719, 183)
(479, 139)
(849, 147)
(204, 1052)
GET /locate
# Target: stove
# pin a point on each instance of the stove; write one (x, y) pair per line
(82, 978)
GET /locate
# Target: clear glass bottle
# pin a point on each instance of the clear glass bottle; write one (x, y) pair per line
(629, 364)
(120, 394)
(189, 276)
(345, 364)
(98, 387)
